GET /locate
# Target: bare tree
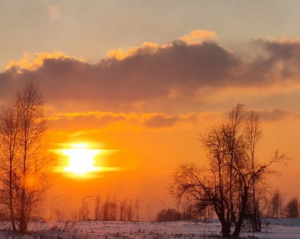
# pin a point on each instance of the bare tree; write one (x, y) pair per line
(9, 124)
(149, 212)
(106, 208)
(291, 209)
(23, 149)
(275, 204)
(227, 182)
(129, 211)
(252, 136)
(98, 208)
(109, 209)
(113, 207)
(137, 208)
(75, 215)
(123, 206)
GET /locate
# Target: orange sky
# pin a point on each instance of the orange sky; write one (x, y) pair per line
(143, 80)
(148, 157)
(148, 106)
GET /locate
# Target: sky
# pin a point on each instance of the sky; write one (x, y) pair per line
(143, 79)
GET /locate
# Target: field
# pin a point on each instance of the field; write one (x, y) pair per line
(274, 228)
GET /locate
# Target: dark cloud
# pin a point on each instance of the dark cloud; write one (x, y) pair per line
(138, 77)
(278, 61)
(153, 121)
(161, 121)
(148, 75)
(277, 114)
(101, 120)
(89, 120)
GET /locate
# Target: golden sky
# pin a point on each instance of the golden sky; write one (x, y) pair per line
(142, 80)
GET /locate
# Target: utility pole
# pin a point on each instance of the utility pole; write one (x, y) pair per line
(51, 201)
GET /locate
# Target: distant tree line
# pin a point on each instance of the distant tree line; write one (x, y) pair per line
(110, 209)
(187, 209)
(275, 208)
(172, 214)
(271, 206)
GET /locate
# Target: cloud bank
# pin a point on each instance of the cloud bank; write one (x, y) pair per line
(121, 121)
(96, 120)
(174, 71)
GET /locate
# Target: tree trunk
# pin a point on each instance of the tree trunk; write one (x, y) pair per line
(23, 225)
(258, 221)
(12, 218)
(23, 221)
(242, 214)
(238, 228)
(225, 230)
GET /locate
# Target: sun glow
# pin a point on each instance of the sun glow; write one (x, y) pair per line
(81, 159)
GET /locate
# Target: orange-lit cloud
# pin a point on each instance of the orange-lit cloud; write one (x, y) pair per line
(31, 63)
(145, 48)
(198, 36)
(193, 38)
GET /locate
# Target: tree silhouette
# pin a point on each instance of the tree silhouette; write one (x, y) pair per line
(230, 178)
(291, 209)
(24, 157)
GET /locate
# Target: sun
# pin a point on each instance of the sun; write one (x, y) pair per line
(81, 159)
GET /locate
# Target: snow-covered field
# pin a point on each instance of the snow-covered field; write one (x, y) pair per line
(277, 228)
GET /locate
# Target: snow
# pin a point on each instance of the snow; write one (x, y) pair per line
(275, 228)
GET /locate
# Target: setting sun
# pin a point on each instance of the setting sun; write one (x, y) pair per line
(81, 159)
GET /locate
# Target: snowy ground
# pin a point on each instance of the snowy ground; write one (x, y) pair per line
(277, 228)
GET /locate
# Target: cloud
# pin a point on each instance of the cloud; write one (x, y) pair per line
(161, 121)
(54, 12)
(32, 63)
(96, 120)
(195, 37)
(146, 74)
(145, 48)
(104, 120)
(278, 61)
(174, 72)
(131, 121)
(278, 114)
(199, 36)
